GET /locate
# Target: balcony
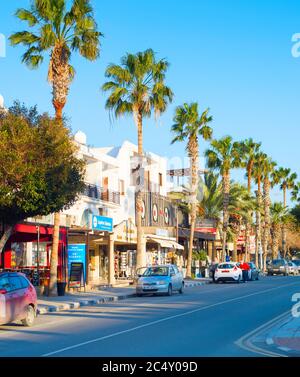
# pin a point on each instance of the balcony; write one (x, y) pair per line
(101, 193)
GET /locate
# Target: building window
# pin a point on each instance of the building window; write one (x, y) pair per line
(122, 187)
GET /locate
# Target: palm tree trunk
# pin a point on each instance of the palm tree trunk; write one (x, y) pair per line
(234, 254)
(275, 241)
(226, 190)
(283, 225)
(248, 226)
(258, 223)
(8, 230)
(266, 232)
(52, 289)
(140, 252)
(194, 162)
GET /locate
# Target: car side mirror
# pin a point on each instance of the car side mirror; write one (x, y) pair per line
(172, 274)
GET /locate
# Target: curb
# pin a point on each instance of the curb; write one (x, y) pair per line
(77, 304)
(102, 300)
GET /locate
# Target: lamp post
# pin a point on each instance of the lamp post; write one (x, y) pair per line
(38, 254)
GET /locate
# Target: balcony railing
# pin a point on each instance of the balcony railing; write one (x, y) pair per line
(101, 193)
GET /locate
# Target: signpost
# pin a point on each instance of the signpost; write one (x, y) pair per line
(76, 279)
(76, 253)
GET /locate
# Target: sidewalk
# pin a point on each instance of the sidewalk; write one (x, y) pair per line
(89, 298)
(286, 335)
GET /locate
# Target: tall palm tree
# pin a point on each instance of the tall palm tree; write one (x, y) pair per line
(268, 169)
(223, 156)
(286, 180)
(137, 87)
(258, 170)
(241, 205)
(248, 149)
(189, 124)
(60, 32)
(279, 216)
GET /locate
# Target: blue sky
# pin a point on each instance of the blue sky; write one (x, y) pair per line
(233, 56)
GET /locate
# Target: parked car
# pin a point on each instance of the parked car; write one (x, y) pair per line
(297, 263)
(229, 271)
(18, 299)
(253, 272)
(278, 266)
(160, 279)
(293, 269)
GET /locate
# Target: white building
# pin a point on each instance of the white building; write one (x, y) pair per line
(110, 191)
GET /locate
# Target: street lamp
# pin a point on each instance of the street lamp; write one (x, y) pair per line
(38, 254)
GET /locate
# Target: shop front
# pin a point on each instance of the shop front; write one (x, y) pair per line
(163, 249)
(29, 251)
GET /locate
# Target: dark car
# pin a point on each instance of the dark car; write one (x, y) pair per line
(278, 266)
(253, 272)
(18, 300)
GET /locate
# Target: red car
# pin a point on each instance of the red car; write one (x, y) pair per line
(18, 300)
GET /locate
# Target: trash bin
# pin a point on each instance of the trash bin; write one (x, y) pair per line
(61, 288)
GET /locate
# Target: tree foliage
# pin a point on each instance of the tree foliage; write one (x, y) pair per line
(39, 172)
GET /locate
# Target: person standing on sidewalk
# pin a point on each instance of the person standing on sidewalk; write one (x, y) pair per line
(245, 271)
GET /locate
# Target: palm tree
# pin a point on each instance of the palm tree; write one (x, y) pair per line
(248, 149)
(296, 193)
(268, 167)
(241, 205)
(279, 216)
(211, 205)
(286, 180)
(258, 169)
(137, 87)
(189, 124)
(60, 32)
(223, 156)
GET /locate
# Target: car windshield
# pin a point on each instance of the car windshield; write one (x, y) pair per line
(291, 264)
(4, 283)
(296, 262)
(156, 271)
(277, 262)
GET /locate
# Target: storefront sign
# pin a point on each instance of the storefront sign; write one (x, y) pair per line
(102, 223)
(162, 232)
(77, 254)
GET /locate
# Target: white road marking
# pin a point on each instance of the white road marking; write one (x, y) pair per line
(164, 320)
(246, 343)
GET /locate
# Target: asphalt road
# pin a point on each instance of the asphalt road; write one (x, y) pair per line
(209, 320)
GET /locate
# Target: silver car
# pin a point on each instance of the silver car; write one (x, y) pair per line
(293, 269)
(160, 279)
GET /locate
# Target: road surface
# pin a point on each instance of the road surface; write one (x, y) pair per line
(210, 320)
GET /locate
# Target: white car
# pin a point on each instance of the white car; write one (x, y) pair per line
(292, 268)
(228, 271)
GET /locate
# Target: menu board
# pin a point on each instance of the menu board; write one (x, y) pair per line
(76, 279)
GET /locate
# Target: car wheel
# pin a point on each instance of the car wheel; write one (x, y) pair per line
(169, 293)
(181, 289)
(139, 295)
(30, 316)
